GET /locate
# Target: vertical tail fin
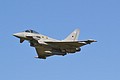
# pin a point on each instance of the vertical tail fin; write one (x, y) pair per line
(73, 36)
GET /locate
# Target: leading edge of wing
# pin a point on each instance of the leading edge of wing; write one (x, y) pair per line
(63, 41)
(66, 44)
(71, 43)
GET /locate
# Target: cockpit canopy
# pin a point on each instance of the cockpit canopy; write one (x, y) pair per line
(31, 31)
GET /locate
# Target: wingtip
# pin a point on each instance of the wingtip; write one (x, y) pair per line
(92, 40)
(95, 41)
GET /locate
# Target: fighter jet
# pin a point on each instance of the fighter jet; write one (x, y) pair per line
(46, 46)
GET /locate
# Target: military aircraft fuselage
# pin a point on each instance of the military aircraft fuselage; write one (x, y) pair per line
(46, 46)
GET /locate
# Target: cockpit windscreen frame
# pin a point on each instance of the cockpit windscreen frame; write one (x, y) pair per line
(31, 31)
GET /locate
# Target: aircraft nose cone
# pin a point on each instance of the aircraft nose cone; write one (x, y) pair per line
(18, 35)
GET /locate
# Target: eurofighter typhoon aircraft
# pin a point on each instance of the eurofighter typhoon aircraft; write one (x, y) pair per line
(46, 46)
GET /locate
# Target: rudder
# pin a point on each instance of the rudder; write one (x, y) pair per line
(73, 36)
